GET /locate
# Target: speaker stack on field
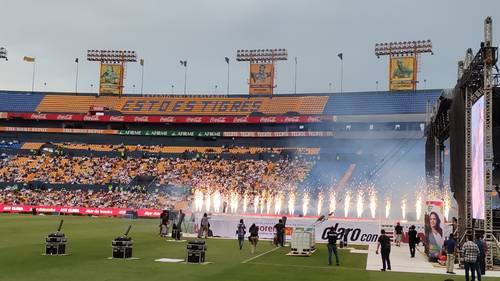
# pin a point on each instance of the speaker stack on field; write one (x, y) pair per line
(55, 242)
(196, 251)
(122, 246)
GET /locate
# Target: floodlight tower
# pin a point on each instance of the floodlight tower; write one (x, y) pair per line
(3, 53)
(265, 60)
(407, 49)
(113, 57)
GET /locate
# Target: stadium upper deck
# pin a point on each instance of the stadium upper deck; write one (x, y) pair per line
(355, 103)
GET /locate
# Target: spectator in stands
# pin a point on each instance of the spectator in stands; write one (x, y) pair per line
(384, 244)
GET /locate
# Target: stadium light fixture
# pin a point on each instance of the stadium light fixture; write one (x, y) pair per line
(407, 48)
(262, 55)
(111, 56)
(3, 53)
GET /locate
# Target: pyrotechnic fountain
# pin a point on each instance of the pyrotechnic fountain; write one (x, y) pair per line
(373, 202)
(277, 204)
(403, 208)
(234, 201)
(291, 203)
(245, 203)
(447, 204)
(198, 200)
(269, 200)
(320, 203)
(418, 206)
(387, 207)
(360, 203)
(264, 203)
(208, 199)
(217, 201)
(305, 203)
(347, 203)
(333, 202)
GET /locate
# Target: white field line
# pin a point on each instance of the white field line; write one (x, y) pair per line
(257, 256)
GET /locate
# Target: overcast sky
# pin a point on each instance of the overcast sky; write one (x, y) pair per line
(203, 32)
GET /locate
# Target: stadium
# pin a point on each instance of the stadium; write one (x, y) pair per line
(111, 185)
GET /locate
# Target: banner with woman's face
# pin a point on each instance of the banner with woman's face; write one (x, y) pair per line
(434, 228)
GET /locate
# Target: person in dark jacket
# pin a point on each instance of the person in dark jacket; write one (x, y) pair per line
(481, 258)
(280, 233)
(240, 232)
(384, 244)
(412, 240)
(254, 237)
(332, 246)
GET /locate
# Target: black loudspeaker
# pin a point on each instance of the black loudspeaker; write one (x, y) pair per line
(196, 251)
(122, 246)
(55, 242)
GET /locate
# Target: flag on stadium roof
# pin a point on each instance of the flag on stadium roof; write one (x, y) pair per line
(29, 59)
(341, 56)
(227, 59)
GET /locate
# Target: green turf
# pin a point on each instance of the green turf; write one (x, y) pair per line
(21, 247)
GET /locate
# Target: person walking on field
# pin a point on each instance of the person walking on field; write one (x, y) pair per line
(470, 253)
(204, 226)
(254, 237)
(412, 240)
(332, 246)
(481, 259)
(398, 230)
(240, 231)
(280, 233)
(449, 246)
(384, 244)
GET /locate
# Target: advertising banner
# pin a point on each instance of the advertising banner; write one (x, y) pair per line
(358, 231)
(261, 78)
(77, 210)
(435, 231)
(111, 79)
(169, 119)
(58, 130)
(169, 133)
(402, 73)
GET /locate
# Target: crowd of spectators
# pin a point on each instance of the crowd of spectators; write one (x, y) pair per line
(233, 149)
(86, 198)
(241, 175)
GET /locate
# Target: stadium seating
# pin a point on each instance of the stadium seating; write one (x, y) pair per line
(19, 101)
(359, 103)
(380, 102)
(176, 149)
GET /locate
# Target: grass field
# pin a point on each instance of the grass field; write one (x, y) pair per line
(22, 238)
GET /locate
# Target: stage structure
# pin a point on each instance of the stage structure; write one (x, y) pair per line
(112, 68)
(262, 68)
(460, 119)
(403, 62)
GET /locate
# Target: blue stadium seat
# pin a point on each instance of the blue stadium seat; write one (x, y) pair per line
(19, 101)
(380, 102)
